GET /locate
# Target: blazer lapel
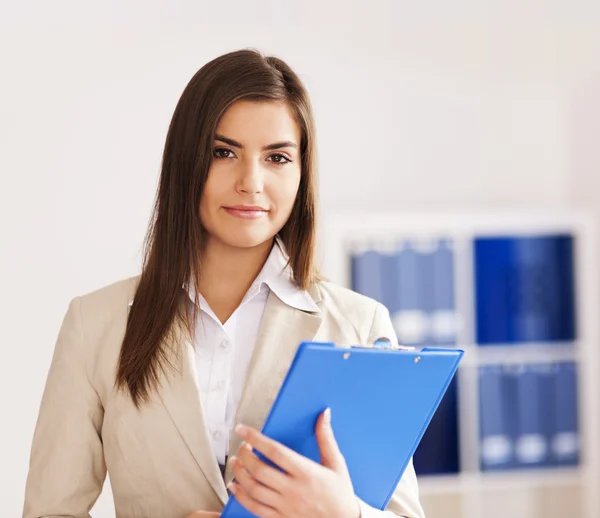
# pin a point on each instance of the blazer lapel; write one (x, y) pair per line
(282, 329)
(182, 401)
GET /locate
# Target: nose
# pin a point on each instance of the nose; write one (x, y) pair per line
(252, 177)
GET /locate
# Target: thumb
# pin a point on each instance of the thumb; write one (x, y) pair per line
(331, 456)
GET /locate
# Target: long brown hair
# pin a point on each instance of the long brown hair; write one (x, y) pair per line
(174, 242)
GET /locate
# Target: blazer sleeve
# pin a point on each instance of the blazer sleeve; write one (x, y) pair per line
(405, 500)
(66, 466)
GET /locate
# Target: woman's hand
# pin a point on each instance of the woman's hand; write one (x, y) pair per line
(304, 488)
(203, 514)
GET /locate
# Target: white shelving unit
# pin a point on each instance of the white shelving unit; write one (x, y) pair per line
(543, 493)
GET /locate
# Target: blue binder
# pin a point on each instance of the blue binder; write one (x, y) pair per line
(444, 318)
(381, 402)
(525, 289)
(531, 442)
(411, 305)
(565, 440)
(390, 279)
(497, 427)
(367, 274)
(438, 451)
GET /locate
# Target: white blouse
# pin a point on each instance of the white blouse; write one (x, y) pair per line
(223, 351)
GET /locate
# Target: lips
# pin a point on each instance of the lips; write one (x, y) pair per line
(246, 211)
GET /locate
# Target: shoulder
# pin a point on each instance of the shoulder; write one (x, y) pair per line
(368, 316)
(105, 308)
(356, 307)
(116, 295)
(346, 298)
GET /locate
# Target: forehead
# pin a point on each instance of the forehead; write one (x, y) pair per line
(262, 123)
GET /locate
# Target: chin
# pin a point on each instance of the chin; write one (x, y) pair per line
(246, 239)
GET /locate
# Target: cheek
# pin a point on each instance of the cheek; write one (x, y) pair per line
(287, 191)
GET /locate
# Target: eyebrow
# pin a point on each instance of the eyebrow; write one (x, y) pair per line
(270, 147)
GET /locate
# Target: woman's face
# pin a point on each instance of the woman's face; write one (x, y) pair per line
(254, 176)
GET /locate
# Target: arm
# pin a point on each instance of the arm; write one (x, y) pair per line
(66, 468)
(405, 500)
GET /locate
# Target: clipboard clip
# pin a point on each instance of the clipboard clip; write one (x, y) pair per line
(381, 343)
(385, 343)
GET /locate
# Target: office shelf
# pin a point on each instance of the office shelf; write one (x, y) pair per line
(540, 492)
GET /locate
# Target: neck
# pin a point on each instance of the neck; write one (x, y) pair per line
(228, 272)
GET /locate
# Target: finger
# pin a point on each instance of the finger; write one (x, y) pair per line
(254, 506)
(280, 455)
(331, 456)
(257, 491)
(259, 470)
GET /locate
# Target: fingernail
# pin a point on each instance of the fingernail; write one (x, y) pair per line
(328, 416)
(232, 461)
(231, 487)
(241, 430)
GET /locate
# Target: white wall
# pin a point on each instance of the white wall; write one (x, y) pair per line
(417, 107)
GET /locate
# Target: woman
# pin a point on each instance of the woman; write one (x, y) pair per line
(151, 376)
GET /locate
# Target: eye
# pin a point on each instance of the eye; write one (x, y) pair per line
(279, 159)
(223, 152)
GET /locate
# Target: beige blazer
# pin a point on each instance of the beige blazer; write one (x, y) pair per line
(159, 459)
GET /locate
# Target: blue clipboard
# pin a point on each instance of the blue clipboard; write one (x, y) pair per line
(381, 400)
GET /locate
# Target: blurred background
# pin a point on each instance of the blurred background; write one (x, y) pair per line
(459, 160)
